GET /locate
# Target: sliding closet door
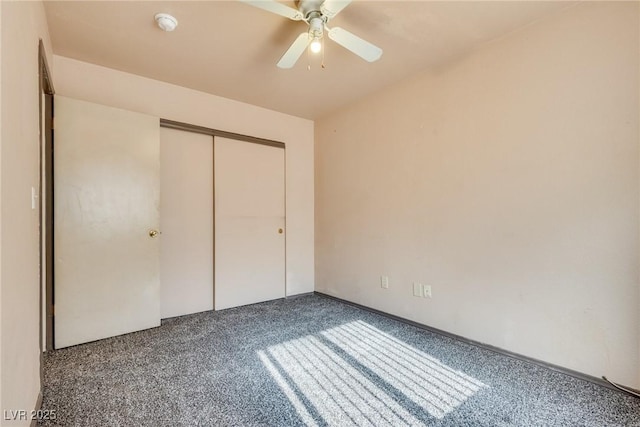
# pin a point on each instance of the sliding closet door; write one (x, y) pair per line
(106, 199)
(186, 212)
(249, 223)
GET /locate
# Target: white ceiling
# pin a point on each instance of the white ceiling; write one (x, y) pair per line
(230, 49)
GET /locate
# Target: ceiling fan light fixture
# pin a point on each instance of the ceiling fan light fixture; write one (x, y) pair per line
(166, 22)
(316, 45)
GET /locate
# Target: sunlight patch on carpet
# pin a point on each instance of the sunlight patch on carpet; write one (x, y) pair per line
(355, 374)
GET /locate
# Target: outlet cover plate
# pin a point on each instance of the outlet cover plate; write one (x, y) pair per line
(384, 282)
(417, 290)
(427, 291)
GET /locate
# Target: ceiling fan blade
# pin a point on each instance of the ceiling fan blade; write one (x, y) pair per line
(277, 8)
(331, 8)
(294, 52)
(355, 44)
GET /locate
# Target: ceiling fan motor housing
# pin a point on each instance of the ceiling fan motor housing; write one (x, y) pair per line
(308, 7)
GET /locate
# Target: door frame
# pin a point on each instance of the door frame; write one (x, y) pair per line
(45, 103)
(172, 124)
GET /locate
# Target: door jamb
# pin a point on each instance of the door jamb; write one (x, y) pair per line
(45, 102)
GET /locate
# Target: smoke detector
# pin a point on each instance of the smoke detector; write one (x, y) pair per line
(166, 22)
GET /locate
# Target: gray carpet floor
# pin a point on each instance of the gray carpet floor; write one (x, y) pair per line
(311, 361)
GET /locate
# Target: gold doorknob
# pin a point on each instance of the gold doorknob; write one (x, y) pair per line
(280, 231)
(153, 233)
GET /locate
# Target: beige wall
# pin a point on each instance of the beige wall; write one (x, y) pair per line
(106, 86)
(509, 182)
(23, 23)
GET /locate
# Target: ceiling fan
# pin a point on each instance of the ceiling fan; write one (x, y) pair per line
(316, 13)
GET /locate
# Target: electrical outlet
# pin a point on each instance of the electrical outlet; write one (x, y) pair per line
(417, 290)
(426, 289)
(384, 282)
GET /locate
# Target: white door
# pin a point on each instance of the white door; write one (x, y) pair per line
(106, 201)
(249, 223)
(186, 212)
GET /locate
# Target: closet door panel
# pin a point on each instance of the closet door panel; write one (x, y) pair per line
(249, 223)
